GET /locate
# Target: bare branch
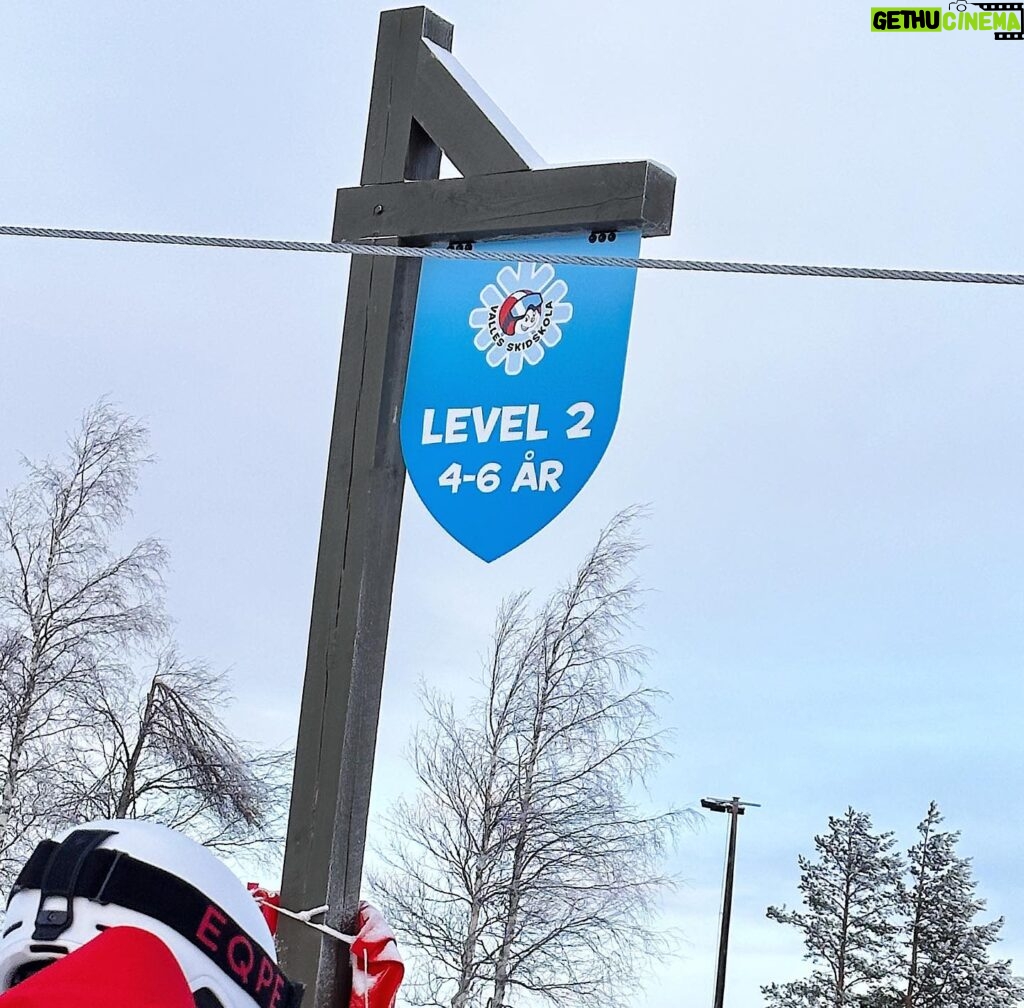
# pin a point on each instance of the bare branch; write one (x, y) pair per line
(78, 737)
(524, 861)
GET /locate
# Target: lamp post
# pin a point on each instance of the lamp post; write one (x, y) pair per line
(735, 808)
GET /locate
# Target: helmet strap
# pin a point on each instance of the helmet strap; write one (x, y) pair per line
(106, 876)
(60, 880)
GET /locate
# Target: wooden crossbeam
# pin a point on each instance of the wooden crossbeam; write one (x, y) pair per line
(599, 197)
(463, 121)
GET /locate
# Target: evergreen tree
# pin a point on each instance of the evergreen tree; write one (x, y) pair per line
(849, 896)
(946, 961)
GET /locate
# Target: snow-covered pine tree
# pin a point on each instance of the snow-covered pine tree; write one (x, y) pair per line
(849, 896)
(947, 957)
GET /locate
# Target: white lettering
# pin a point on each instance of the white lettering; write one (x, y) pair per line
(485, 428)
(533, 432)
(581, 428)
(512, 423)
(526, 477)
(429, 437)
(483, 424)
(549, 473)
(455, 427)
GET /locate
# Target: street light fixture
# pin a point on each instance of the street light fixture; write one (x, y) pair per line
(735, 808)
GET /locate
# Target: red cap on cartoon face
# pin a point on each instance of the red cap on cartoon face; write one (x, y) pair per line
(123, 967)
(514, 307)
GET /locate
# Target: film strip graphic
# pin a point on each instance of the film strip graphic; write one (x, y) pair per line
(1005, 36)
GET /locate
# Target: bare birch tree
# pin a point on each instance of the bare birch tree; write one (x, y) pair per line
(159, 750)
(79, 737)
(524, 866)
(68, 602)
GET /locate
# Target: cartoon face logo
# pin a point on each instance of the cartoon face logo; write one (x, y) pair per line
(522, 315)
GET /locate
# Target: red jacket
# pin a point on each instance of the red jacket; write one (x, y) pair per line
(125, 967)
(120, 968)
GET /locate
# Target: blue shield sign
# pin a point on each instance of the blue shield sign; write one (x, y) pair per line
(514, 382)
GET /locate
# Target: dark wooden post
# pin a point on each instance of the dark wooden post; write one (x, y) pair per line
(358, 537)
(421, 101)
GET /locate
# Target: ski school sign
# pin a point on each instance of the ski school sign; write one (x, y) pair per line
(515, 377)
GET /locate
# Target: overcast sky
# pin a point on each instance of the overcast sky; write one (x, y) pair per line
(836, 542)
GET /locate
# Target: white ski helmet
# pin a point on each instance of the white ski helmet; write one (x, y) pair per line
(112, 873)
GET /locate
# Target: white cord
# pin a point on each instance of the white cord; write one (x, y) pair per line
(303, 917)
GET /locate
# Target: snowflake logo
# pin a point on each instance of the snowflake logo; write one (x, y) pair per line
(522, 315)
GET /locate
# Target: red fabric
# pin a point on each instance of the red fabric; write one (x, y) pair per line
(377, 967)
(120, 968)
(267, 901)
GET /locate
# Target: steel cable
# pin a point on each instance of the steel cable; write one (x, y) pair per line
(622, 262)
